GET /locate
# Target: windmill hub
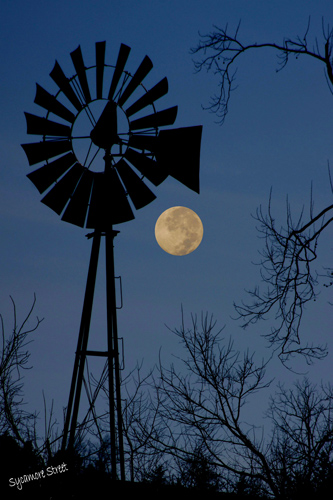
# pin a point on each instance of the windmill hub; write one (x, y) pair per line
(109, 130)
(105, 133)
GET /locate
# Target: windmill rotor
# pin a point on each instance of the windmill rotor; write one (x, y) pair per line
(122, 126)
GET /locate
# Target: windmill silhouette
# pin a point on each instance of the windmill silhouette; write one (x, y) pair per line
(96, 163)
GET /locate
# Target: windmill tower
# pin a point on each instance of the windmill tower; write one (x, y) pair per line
(108, 113)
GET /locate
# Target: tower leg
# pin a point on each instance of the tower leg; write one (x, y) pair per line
(80, 355)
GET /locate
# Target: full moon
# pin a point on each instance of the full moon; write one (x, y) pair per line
(179, 231)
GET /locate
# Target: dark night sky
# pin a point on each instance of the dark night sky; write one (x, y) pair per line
(278, 133)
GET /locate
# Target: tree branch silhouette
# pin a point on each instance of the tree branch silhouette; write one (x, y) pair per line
(287, 264)
(286, 268)
(200, 403)
(206, 404)
(222, 49)
(14, 420)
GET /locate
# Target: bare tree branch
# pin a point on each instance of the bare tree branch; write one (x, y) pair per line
(286, 267)
(14, 359)
(302, 444)
(206, 404)
(221, 50)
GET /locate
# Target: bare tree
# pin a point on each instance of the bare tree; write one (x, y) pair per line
(289, 254)
(302, 443)
(14, 420)
(139, 427)
(206, 405)
(203, 427)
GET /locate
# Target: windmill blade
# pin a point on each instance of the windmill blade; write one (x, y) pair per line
(120, 208)
(159, 119)
(77, 59)
(120, 65)
(59, 77)
(59, 195)
(76, 209)
(40, 151)
(151, 96)
(41, 126)
(139, 193)
(44, 176)
(135, 81)
(148, 167)
(108, 204)
(143, 142)
(49, 102)
(100, 60)
(182, 160)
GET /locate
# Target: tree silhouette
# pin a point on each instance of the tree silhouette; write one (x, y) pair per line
(222, 49)
(286, 268)
(14, 420)
(290, 252)
(196, 472)
(302, 444)
(206, 404)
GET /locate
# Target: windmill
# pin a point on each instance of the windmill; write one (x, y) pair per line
(102, 141)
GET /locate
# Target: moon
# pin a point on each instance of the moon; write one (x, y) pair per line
(178, 231)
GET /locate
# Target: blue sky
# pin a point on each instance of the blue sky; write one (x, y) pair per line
(278, 133)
